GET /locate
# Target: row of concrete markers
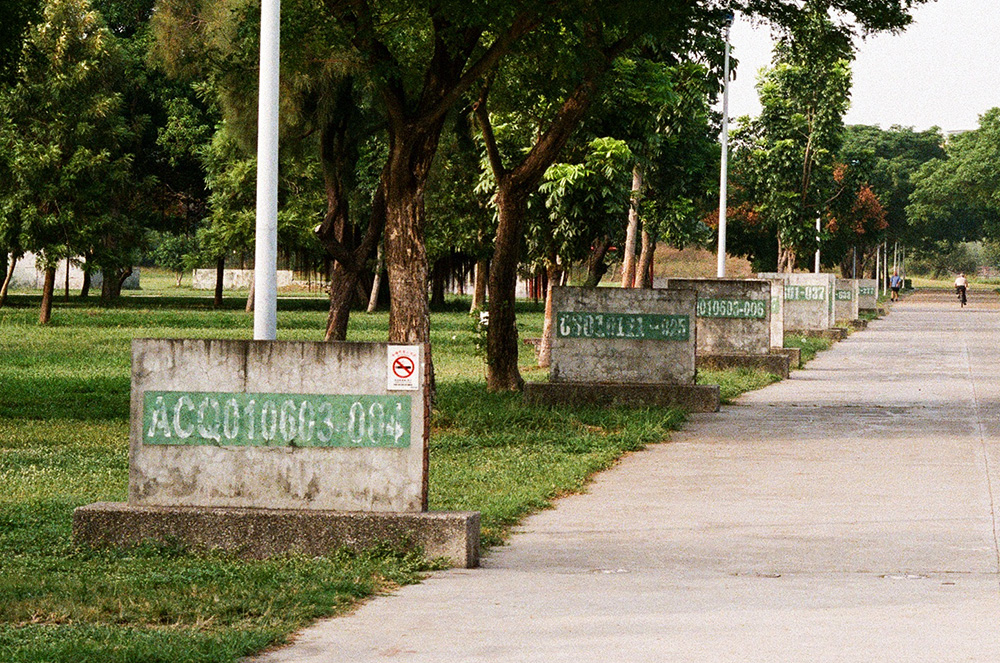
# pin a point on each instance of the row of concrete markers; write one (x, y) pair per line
(643, 347)
(268, 446)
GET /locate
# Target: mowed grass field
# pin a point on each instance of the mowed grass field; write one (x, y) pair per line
(64, 391)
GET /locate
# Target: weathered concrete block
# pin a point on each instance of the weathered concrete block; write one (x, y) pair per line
(623, 335)
(777, 364)
(258, 533)
(733, 315)
(809, 299)
(847, 296)
(794, 356)
(867, 294)
(277, 425)
(689, 397)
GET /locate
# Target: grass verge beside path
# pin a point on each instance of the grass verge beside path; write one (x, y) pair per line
(734, 382)
(809, 346)
(63, 443)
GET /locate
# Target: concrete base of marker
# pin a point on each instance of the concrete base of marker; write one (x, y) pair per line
(778, 364)
(690, 397)
(833, 334)
(259, 533)
(794, 356)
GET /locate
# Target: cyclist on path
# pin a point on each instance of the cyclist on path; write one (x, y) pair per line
(961, 286)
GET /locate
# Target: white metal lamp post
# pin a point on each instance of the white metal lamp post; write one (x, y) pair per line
(265, 319)
(819, 229)
(724, 171)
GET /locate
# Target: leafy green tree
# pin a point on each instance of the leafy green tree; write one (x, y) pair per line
(17, 16)
(886, 159)
(662, 111)
(66, 139)
(585, 204)
(855, 225)
(417, 61)
(173, 253)
(948, 259)
(556, 99)
(460, 222)
(564, 61)
(957, 198)
(229, 232)
(327, 118)
(784, 160)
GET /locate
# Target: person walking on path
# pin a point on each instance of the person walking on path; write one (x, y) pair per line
(895, 283)
(961, 285)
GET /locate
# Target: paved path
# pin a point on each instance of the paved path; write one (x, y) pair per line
(846, 515)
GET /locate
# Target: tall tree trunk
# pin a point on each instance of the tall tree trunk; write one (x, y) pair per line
(87, 281)
(554, 272)
(502, 373)
(644, 277)
(404, 182)
(514, 186)
(439, 278)
(479, 292)
(632, 231)
(341, 293)
(377, 281)
(786, 258)
(596, 267)
(220, 275)
(349, 248)
(350, 256)
(123, 276)
(7, 279)
(48, 289)
(111, 287)
(251, 296)
(66, 288)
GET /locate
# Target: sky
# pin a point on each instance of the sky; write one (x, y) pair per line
(943, 71)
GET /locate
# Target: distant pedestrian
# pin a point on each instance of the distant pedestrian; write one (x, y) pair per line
(961, 286)
(895, 283)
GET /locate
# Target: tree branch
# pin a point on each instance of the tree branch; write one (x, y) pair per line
(520, 26)
(357, 13)
(489, 138)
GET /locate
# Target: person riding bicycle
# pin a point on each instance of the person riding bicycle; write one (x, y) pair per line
(961, 286)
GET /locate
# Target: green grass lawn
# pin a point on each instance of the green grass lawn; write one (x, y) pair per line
(64, 392)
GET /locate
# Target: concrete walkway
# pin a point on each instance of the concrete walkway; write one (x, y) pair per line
(847, 514)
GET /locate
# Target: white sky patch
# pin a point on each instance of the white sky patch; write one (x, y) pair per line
(943, 71)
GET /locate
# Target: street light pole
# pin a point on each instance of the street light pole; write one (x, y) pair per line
(265, 318)
(724, 171)
(819, 229)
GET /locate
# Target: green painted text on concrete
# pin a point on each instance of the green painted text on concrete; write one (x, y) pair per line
(623, 326)
(732, 308)
(866, 291)
(275, 420)
(805, 293)
(844, 295)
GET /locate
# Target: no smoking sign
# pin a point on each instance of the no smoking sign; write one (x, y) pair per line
(403, 372)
